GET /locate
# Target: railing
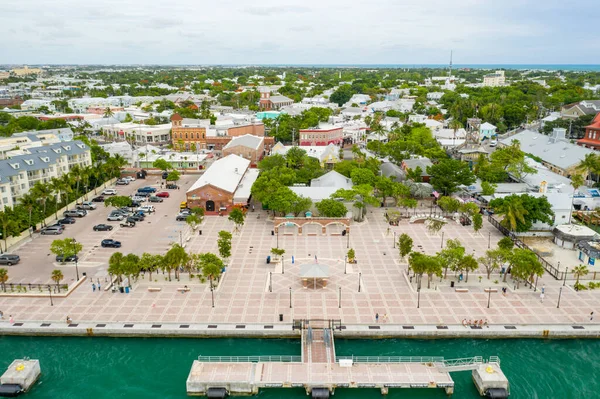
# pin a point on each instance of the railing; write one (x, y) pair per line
(250, 359)
(465, 361)
(33, 287)
(392, 359)
(332, 324)
(494, 359)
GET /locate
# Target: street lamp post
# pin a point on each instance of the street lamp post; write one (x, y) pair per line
(489, 239)
(290, 297)
(394, 239)
(76, 267)
(565, 279)
(270, 281)
(212, 296)
(359, 277)
(50, 292)
(277, 236)
(418, 297)
(340, 298)
(442, 245)
(345, 264)
(282, 267)
(559, 295)
(348, 240)
(489, 296)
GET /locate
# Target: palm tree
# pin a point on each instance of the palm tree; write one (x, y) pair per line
(513, 211)
(42, 192)
(455, 125)
(579, 271)
(115, 265)
(56, 186)
(28, 202)
(576, 181)
(591, 163)
(3, 278)
(67, 186)
(108, 112)
(57, 276)
(75, 175)
(9, 226)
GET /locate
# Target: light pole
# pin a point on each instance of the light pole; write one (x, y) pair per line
(348, 240)
(282, 268)
(394, 239)
(489, 296)
(76, 259)
(340, 298)
(359, 276)
(442, 245)
(290, 297)
(277, 228)
(345, 264)
(50, 292)
(559, 294)
(212, 295)
(489, 239)
(418, 297)
(270, 281)
(565, 279)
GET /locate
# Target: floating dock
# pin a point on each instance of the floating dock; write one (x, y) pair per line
(319, 371)
(19, 377)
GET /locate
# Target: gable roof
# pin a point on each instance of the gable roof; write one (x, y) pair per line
(225, 173)
(332, 179)
(280, 99)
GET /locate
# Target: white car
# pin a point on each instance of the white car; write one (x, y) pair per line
(109, 191)
(115, 218)
(493, 143)
(129, 178)
(138, 198)
(146, 208)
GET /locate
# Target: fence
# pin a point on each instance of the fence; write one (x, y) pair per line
(27, 287)
(332, 324)
(250, 359)
(392, 359)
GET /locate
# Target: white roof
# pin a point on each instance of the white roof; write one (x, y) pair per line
(316, 151)
(242, 194)
(332, 179)
(247, 140)
(558, 201)
(316, 194)
(225, 173)
(487, 126)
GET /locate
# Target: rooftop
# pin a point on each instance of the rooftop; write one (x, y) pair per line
(225, 173)
(247, 140)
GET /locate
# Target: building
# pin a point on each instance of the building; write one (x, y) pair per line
(560, 203)
(494, 79)
(26, 71)
(555, 151)
(246, 146)
(471, 148)
(423, 163)
(19, 142)
(101, 110)
(592, 135)
(487, 131)
(326, 155)
(575, 110)
(323, 187)
(139, 134)
(268, 102)
(20, 173)
(589, 252)
(227, 182)
(321, 136)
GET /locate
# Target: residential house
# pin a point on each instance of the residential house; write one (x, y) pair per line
(246, 146)
(487, 131)
(592, 135)
(327, 156)
(139, 134)
(268, 102)
(423, 163)
(575, 110)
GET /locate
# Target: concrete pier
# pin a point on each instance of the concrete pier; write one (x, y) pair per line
(21, 372)
(490, 381)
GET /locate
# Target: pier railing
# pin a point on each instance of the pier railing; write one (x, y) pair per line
(250, 359)
(392, 359)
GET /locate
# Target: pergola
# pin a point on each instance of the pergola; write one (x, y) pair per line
(318, 273)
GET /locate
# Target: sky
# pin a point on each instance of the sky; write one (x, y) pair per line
(298, 32)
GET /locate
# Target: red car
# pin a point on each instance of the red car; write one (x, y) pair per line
(163, 194)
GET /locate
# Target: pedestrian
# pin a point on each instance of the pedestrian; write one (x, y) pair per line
(385, 317)
(376, 317)
(1, 315)
(69, 320)
(464, 322)
(504, 291)
(98, 285)
(93, 287)
(591, 316)
(542, 297)
(11, 320)
(544, 289)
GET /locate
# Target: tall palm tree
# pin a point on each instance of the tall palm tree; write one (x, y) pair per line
(576, 181)
(57, 276)
(3, 278)
(56, 187)
(513, 211)
(108, 112)
(43, 192)
(455, 125)
(9, 226)
(67, 186)
(579, 271)
(28, 202)
(590, 164)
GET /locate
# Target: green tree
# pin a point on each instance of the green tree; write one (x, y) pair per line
(578, 272)
(342, 95)
(448, 174)
(451, 255)
(576, 181)
(362, 195)
(237, 216)
(3, 278)
(492, 260)
(477, 222)
(115, 265)
(362, 176)
(211, 266)
(175, 258)
(224, 244)
(57, 277)
(331, 208)
(118, 201)
(351, 255)
(521, 211)
(405, 244)
(506, 244)
(524, 265)
(162, 165)
(131, 267)
(67, 247)
(173, 176)
(29, 202)
(295, 157)
(468, 263)
(448, 204)
(10, 227)
(149, 263)
(488, 188)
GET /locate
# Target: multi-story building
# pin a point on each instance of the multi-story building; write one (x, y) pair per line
(26, 71)
(20, 173)
(139, 134)
(22, 141)
(246, 146)
(576, 110)
(592, 135)
(322, 135)
(268, 102)
(494, 79)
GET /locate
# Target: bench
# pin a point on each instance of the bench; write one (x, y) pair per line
(154, 289)
(461, 290)
(490, 290)
(183, 289)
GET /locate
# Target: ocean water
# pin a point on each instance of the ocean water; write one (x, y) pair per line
(546, 67)
(99, 368)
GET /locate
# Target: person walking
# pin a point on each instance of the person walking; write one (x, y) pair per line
(376, 317)
(591, 316)
(542, 297)
(93, 287)
(10, 319)
(98, 285)
(544, 289)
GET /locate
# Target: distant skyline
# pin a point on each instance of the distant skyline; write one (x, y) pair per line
(311, 32)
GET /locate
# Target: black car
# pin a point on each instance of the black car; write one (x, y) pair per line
(110, 244)
(103, 227)
(135, 218)
(135, 204)
(165, 175)
(99, 198)
(67, 220)
(61, 258)
(171, 186)
(182, 218)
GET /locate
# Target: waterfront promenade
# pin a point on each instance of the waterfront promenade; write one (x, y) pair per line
(246, 294)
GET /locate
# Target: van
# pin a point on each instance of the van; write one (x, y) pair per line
(183, 205)
(146, 208)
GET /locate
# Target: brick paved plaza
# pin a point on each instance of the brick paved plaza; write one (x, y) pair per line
(244, 292)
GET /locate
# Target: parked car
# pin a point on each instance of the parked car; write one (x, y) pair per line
(54, 229)
(493, 143)
(115, 217)
(75, 213)
(127, 223)
(86, 205)
(99, 198)
(143, 194)
(163, 194)
(129, 178)
(64, 221)
(72, 258)
(109, 191)
(183, 205)
(103, 227)
(135, 218)
(165, 175)
(154, 198)
(146, 189)
(110, 244)
(139, 198)
(122, 182)
(9, 259)
(171, 186)
(182, 217)
(135, 204)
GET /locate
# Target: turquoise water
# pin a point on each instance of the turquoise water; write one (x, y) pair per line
(99, 368)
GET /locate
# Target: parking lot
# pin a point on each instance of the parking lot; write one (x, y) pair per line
(155, 235)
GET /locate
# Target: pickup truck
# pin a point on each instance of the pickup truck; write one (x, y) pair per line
(127, 224)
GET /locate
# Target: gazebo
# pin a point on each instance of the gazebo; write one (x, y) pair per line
(316, 272)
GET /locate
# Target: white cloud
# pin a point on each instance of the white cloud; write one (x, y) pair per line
(270, 31)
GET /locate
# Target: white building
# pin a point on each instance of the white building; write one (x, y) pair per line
(494, 79)
(138, 133)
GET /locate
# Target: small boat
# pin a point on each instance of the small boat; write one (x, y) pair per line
(10, 390)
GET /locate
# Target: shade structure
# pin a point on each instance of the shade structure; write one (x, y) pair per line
(317, 272)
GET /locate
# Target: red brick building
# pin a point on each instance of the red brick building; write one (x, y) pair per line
(592, 135)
